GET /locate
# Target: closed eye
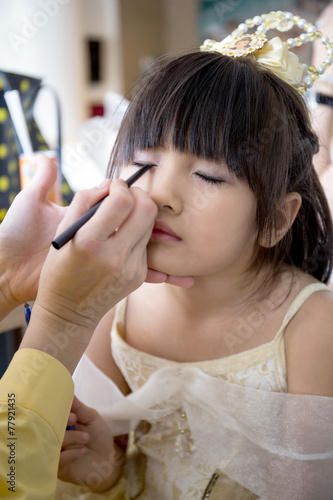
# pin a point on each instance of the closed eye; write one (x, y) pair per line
(141, 164)
(209, 179)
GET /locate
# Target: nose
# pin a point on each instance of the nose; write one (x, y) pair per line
(165, 188)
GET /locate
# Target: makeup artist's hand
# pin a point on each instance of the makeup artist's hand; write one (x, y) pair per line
(89, 456)
(103, 263)
(25, 236)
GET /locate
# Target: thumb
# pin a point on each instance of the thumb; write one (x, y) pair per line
(45, 177)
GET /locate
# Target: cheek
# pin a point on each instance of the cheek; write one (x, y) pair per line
(227, 227)
(126, 172)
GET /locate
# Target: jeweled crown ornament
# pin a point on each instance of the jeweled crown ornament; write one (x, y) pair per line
(275, 54)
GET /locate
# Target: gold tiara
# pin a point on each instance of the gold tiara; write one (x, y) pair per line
(275, 54)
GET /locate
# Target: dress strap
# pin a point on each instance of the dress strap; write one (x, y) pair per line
(279, 348)
(298, 301)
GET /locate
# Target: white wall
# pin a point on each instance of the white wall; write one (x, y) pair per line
(46, 39)
(180, 24)
(43, 38)
(101, 20)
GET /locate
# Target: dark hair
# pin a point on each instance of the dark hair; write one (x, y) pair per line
(234, 110)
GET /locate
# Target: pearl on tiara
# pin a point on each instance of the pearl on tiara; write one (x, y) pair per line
(274, 54)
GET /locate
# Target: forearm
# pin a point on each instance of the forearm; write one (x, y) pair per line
(65, 340)
(7, 302)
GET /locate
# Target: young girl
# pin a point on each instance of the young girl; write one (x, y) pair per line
(228, 383)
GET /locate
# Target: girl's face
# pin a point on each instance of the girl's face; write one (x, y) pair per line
(206, 216)
(242, 44)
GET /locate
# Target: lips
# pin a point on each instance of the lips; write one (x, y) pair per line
(162, 231)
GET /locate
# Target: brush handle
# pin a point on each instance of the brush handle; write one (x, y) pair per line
(70, 232)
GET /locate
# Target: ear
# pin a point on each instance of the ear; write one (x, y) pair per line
(286, 215)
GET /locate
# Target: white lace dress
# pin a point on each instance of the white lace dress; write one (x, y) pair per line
(230, 415)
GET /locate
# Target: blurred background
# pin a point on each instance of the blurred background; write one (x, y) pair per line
(88, 54)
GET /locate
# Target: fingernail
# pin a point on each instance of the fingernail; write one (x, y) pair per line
(103, 184)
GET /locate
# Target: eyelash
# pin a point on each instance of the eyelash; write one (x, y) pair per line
(142, 164)
(210, 180)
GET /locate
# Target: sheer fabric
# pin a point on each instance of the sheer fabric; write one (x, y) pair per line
(190, 420)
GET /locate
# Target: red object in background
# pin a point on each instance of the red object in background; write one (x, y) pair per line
(97, 110)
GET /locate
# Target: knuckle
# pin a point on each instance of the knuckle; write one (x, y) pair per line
(93, 414)
(81, 199)
(120, 259)
(128, 266)
(81, 195)
(136, 271)
(87, 247)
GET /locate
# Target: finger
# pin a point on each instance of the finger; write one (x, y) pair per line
(81, 203)
(137, 228)
(69, 456)
(155, 276)
(159, 277)
(84, 414)
(111, 214)
(124, 208)
(182, 281)
(71, 419)
(45, 176)
(75, 438)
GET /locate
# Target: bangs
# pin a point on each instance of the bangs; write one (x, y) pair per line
(203, 104)
(176, 108)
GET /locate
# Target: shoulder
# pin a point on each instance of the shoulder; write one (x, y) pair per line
(309, 346)
(102, 332)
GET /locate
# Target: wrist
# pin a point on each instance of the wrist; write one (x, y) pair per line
(58, 307)
(7, 301)
(64, 339)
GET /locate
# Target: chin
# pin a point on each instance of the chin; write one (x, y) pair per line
(163, 265)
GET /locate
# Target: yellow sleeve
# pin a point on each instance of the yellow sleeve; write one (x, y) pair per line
(36, 395)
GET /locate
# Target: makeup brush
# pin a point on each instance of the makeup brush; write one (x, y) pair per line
(70, 232)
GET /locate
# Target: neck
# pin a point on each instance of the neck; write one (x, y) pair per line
(209, 294)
